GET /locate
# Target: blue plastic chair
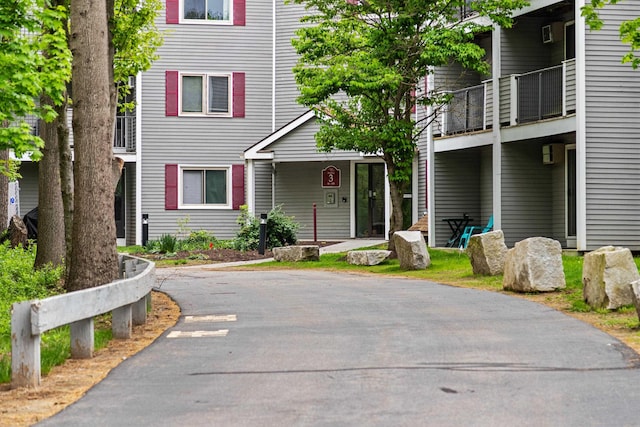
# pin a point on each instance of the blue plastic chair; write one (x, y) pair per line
(469, 230)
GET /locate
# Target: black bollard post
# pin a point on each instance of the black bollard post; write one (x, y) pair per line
(263, 234)
(145, 229)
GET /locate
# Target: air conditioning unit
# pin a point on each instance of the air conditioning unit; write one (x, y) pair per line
(547, 34)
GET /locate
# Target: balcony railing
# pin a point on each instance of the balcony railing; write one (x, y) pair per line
(524, 98)
(466, 10)
(540, 94)
(124, 139)
(469, 110)
(125, 134)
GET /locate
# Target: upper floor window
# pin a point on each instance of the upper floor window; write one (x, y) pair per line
(205, 94)
(209, 10)
(231, 12)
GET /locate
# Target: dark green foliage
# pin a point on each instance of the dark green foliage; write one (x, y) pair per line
(281, 230)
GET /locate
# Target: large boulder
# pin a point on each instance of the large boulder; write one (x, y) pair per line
(534, 265)
(487, 253)
(371, 257)
(635, 294)
(411, 250)
(297, 253)
(607, 274)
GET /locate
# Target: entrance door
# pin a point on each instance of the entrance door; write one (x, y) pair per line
(119, 209)
(370, 200)
(571, 196)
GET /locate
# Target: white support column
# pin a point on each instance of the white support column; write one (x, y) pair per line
(352, 199)
(497, 140)
(138, 209)
(581, 128)
(251, 186)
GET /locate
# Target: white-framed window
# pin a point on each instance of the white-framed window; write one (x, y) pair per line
(207, 11)
(204, 187)
(205, 94)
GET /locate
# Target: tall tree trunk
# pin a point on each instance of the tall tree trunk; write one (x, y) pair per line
(66, 180)
(396, 220)
(51, 231)
(4, 191)
(94, 258)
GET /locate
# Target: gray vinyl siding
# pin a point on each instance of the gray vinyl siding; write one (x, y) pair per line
(300, 145)
(505, 100)
(458, 189)
(204, 141)
(263, 187)
(527, 201)
(486, 185)
(28, 186)
(522, 47)
(299, 187)
(130, 203)
(288, 20)
(612, 129)
(559, 196)
(570, 84)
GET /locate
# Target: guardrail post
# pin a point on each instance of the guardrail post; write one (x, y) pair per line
(121, 322)
(25, 348)
(82, 335)
(139, 312)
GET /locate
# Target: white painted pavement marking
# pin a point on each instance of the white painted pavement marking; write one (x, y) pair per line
(198, 334)
(212, 318)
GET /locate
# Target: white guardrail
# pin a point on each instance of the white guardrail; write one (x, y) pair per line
(126, 298)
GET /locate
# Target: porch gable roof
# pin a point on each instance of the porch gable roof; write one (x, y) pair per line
(256, 151)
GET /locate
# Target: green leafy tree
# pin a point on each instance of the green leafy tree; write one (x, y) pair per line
(360, 63)
(629, 30)
(28, 28)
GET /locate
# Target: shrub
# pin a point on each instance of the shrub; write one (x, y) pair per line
(167, 243)
(197, 240)
(281, 230)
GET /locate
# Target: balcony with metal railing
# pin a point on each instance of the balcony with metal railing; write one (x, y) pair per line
(525, 98)
(467, 110)
(125, 134)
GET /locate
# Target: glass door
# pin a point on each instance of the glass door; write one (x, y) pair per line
(370, 200)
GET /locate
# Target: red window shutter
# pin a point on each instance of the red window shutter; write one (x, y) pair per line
(171, 93)
(172, 11)
(171, 187)
(352, 1)
(239, 12)
(237, 186)
(238, 95)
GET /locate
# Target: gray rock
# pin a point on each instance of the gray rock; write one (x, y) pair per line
(487, 253)
(411, 250)
(372, 257)
(635, 294)
(534, 265)
(607, 274)
(297, 253)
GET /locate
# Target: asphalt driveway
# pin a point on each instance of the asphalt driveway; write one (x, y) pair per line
(298, 348)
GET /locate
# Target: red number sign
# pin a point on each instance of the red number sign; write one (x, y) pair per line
(330, 177)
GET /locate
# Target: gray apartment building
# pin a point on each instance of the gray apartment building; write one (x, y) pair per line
(546, 144)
